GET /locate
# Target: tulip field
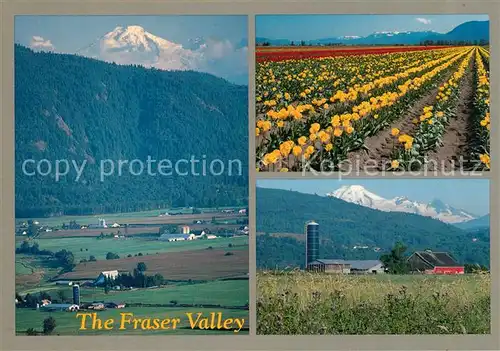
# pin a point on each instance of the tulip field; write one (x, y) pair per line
(392, 108)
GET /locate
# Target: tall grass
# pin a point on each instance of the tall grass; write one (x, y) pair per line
(312, 303)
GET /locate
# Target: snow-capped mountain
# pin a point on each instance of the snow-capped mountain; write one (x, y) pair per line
(348, 37)
(436, 209)
(135, 45)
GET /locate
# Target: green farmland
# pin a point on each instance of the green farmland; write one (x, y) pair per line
(82, 248)
(117, 217)
(226, 293)
(68, 324)
(229, 293)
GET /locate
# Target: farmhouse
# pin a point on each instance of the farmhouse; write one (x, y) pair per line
(96, 306)
(60, 307)
(429, 262)
(176, 237)
(106, 274)
(346, 267)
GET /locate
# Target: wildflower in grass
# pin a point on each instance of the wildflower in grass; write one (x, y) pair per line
(395, 131)
(395, 164)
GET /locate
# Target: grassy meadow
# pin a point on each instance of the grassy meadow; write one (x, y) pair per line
(301, 303)
(82, 248)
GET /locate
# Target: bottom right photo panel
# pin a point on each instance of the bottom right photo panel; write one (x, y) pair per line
(373, 256)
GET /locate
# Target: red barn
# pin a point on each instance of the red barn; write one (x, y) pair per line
(429, 262)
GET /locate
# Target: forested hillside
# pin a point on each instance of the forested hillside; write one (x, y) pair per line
(344, 225)
(70, 107)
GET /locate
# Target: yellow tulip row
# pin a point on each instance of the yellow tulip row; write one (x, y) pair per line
(482, 108)
(337, 135)
(484, 52)
(431, 125)
(297, 112)
(298, 80)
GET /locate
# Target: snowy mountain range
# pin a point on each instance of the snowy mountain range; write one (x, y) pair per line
(134, 45)
(468, 31)
(436, 209)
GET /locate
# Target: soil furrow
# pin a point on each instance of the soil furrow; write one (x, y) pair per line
(376, 157)
(454, 142)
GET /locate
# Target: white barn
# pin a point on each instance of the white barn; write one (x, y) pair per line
(106, 274)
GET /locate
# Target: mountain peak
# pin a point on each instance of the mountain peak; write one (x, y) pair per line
(135, 29)
(437, 203)
(356, 194)
(436, 209)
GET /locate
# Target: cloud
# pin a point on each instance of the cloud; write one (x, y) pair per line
(40, 44)
(423, 20)
(224, 59)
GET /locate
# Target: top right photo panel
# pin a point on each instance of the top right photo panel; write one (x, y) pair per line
(372, 93)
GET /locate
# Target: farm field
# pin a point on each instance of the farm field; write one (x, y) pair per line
(266, 53)
(307, 303)
(131, 231)
(197, 274)
(210, 264)
(143, 217)
(383, 108)
(220, 292)
(68, 324)
(83, 247)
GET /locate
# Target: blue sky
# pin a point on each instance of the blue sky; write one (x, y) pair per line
(471, 195)
(69, 33)
(310, 27)
(224, 35)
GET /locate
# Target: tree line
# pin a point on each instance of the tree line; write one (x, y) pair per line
(65, 258)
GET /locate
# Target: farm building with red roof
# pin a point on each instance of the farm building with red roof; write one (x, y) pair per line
(429, 262)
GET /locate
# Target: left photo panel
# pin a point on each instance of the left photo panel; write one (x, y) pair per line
(131, 175)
